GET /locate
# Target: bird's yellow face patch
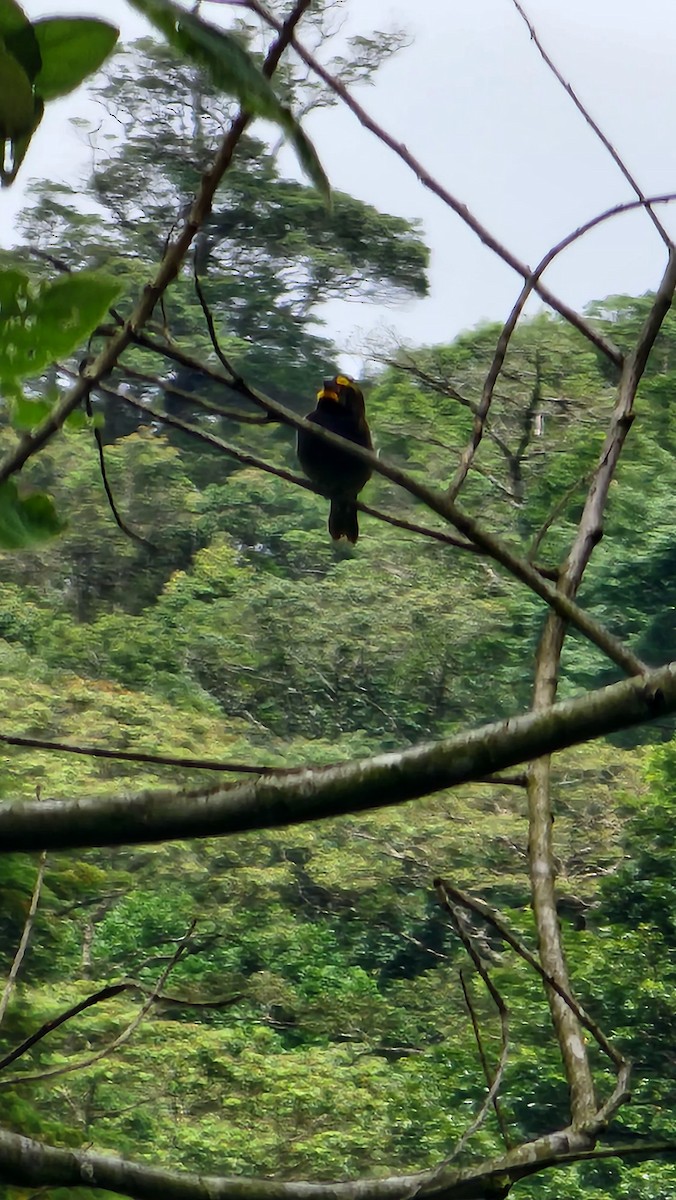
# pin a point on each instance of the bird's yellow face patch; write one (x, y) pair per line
(327, 394)
(343, 381)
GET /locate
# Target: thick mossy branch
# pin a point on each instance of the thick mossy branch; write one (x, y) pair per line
(25, 1162)
(314, 793)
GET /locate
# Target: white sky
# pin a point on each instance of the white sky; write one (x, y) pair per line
(473, 101)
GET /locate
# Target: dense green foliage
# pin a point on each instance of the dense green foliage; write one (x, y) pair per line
(322, 1030)
(245, 635)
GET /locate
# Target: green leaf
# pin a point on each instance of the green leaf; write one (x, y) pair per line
(71, 48)
(16, 98)
(233, 70)
(79, 420)
(20, 145)
(18, 35)
(12, 17)
(26, 414)
(26, 520)
(309, 160)
(40, 322)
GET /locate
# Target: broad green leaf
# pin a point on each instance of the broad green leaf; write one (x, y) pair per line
(16, 98)
(26, 520)
(220, 53)
(25, 414)
(309, 160)
(12, 17)
(79, 420)
(71, 48)
(19, 145)
(18, 35)
(233, 70)
(40, 322)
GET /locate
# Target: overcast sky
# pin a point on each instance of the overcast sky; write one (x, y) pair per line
(472, 99)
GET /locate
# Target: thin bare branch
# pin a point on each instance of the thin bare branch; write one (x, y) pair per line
(195, 398)
(494, 1085)
(481, 411)
(98, 997)
(121, 524)
(494, 918)
(25, 938)
(591, 523)
(428, 181)
(137, 756)
(68, 1014)
(497, 1107)
(121, 1039)
(605, 141)
(555, 512)
(208, 317)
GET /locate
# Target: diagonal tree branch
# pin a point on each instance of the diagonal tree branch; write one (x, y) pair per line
(138, 756)
(428, 181)
(619, 162)
(500, 925)
(122, 1038)
(491, 1097)
(99, 997)
(508, 328)
(497, 1109)
(541, 850)
(25, 938)
(312, 794)
(480, 410)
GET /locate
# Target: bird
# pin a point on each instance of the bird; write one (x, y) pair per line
(340, 408)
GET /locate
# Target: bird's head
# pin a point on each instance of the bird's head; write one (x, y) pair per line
(343, 391)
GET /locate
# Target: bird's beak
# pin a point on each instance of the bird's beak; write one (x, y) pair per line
(328, 393)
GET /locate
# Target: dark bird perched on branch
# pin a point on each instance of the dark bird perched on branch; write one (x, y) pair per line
(340, 408)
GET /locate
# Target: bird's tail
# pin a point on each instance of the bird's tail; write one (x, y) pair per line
(343, 520)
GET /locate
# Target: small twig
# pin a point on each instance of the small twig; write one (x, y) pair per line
(500, 925)
(556, 511)
(25, 937)
(436, 535)
(208, 316)
(567, 87)
(520, 781)
(194, 398)
(620, 1095)
(119, 1041)
(428, 181)
(106, 993)
(499, 1003)
(165, 760)
(122, 525)
(497, 1108)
